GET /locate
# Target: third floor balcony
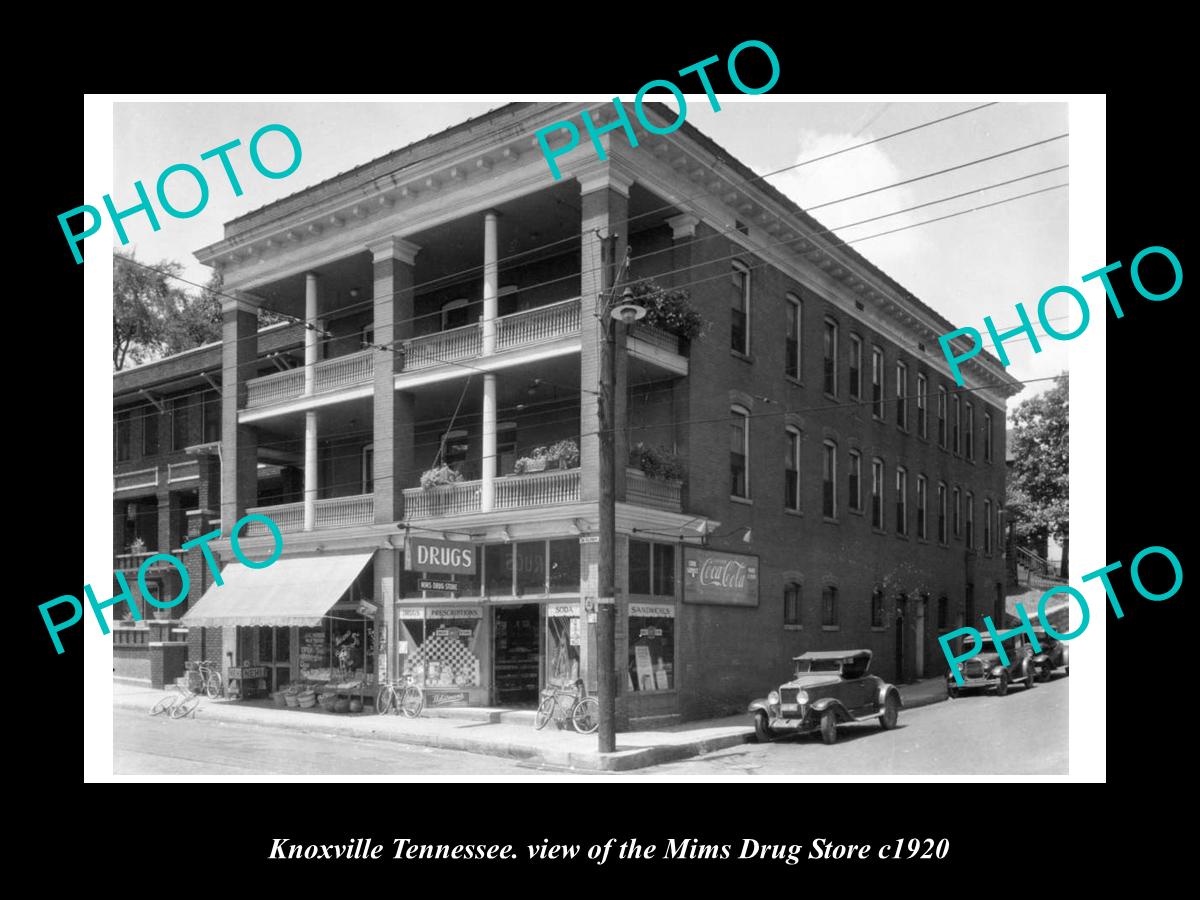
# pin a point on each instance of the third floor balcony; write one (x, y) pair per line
(446, 348)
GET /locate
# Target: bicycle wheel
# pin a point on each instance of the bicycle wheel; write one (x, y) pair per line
(384, 699)
(213, 685)
(586, 715)
(184, 707)
(164, 704)
(413, 701)
(545, 712)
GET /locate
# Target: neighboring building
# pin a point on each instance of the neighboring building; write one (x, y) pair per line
(815, 511)
(167, 434)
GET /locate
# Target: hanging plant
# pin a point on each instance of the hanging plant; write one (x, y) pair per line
(564, 454)
(657, 462)
(438, 476)
(137, 545)
(669, 309)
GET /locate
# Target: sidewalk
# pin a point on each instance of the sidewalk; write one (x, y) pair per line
(499, 734)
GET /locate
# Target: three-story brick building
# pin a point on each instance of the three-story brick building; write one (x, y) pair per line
(838, 490)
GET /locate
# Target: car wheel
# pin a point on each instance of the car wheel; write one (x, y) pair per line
(1044, 673)
(891, 712)
(761, 730)
(1067, 671)
(1030, 673)
(828, 726)
(1002, 686)
(952, 692)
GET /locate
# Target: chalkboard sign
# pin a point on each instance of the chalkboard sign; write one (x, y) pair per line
(314, 649)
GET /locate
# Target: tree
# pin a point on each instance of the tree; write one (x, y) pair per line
(153, 316)
(194, 321)
(143, 297)
(1037, 501)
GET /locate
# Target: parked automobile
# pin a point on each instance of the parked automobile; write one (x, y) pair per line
(1055, 655)
(828, 688)
(985, 670)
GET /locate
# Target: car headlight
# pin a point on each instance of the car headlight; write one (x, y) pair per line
(801, 698)
(773, 698)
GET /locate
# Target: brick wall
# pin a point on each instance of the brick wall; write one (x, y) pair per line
(732, 651)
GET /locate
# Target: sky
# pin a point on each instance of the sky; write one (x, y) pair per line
(966, 267)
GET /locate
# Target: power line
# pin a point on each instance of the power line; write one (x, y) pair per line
(473, 269)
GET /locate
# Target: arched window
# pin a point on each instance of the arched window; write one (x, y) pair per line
(877, 608)
(792, 612)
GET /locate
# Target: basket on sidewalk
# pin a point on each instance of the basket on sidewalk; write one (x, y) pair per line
(280, 698)
(328, 702)
(306, 699)
(291, 699)
(342, 705)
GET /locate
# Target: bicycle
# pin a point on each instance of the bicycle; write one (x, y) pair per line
(177, 705)
(583, 712)
(409, 699)
(209, 678)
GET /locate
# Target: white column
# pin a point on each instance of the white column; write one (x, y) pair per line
(491, 281)
(310, 335)
(310, 469)
(487, 497)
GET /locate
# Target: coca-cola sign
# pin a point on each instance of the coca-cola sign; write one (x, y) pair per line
(710, 576)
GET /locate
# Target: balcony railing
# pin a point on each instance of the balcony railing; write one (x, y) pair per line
(644, 491)
(550, 488)
(336, 512)
(344, 371)
(274, 388)
(142, 478)
(328, 375)
(288, 516)
(443, 347)
(656, 336)
(533, 326)
(131, 562)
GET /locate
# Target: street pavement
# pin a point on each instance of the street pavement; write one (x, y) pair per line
(1022, 733)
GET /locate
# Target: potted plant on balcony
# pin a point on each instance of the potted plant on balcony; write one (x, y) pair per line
(136, 546)
(656, 462)
(439, 476)
(564, 454)
(534, 462)
(669, 309)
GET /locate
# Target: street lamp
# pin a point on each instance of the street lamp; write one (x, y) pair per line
(626, 312)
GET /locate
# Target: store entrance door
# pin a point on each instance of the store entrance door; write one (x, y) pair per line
(516, 653)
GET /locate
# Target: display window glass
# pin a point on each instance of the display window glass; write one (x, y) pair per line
(563, 644)
(498, 569)
(651, 647)
(442, 649)
(531, 567)
(564, 566)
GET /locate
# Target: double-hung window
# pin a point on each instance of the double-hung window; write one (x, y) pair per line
(739, 331)
(739, 452)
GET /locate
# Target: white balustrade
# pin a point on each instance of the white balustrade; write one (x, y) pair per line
(288, 516)
(656, 337)
(444, 500)
(442, 347)
(344, 371)
(274, 388)
(338, 512)
(533, 326)
(549, 488)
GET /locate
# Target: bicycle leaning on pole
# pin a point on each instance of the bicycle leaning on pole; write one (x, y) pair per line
(403, 695)
(582, 711)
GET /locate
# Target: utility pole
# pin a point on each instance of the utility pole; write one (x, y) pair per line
(606, 609)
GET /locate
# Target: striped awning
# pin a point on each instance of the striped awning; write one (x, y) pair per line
(296, 591)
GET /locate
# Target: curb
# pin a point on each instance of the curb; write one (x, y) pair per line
(620, 761)
(924, 700)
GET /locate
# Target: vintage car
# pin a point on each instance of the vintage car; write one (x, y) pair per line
(1055, 655)
(985, 670)
(829, 688)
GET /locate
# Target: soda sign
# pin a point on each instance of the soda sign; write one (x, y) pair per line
(729, 579)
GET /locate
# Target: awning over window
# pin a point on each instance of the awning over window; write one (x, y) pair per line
(297, 591)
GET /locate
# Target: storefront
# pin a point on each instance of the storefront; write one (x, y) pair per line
(305, 619)
(495, 624)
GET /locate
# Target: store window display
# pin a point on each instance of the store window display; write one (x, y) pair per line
(440, 647)
(651, 647)
(562, 644)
